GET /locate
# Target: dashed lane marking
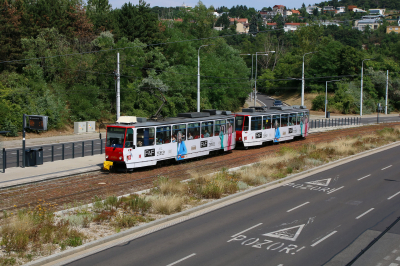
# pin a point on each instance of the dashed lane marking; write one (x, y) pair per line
(361, 215)
(386, 167)
(298, 206)
(185, 258)
(322, 239)
(394, 195)
(246, 230)
(363, 177)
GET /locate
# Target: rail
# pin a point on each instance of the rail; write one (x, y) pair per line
(335, 122)
(54, 152)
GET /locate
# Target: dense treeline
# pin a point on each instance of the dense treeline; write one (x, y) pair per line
(72, 50)
(59, 57)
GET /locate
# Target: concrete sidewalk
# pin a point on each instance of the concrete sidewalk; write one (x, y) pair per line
(18, 176)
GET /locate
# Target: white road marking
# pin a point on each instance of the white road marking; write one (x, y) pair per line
(247, 230)
(322, 239)
(322, 182)
(394, 195)
(386, 167)
(398, 258)
(335, 190)
(290, 233)
(298, 206)
(393, 264)
(387, 258)
(191, 255)
(364, 213)
(394, 251)
(363, 177)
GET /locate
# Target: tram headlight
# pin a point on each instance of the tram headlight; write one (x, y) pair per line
(120, 158)
(240, 138)
(106, 156)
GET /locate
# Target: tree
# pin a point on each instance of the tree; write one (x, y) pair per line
(99, 12)
(136, 22)
(253, 25)
(316, 12)
(223, 21)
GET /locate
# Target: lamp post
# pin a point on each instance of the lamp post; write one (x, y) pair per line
(302, 79)
(361, 94)
(255, 83)
(326, 94)
(198, 76)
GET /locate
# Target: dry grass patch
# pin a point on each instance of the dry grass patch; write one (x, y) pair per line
(167, 204)
(166, 186)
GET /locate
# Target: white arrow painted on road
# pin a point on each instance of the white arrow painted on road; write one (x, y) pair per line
(290, 233)
(322, 182)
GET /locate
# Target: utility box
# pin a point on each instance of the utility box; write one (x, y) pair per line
(30, 157)
(79, 127)
(38, 156)
(90, 126)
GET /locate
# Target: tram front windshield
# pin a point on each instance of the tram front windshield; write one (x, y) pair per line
(115, 137)
(239, 123)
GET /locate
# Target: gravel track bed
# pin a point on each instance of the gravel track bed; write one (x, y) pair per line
(83, 188)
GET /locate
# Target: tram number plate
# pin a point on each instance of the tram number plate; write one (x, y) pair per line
(203, 144)
(290, 130)
(149, 153)
(258, 135)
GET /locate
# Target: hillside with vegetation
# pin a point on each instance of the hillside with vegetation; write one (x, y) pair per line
(59, 58)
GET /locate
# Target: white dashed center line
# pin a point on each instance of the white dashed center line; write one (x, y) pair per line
(363, 177)
(322, 239)
(298, 206)
(191, 255)
(246, 230)
(364, 213)
(394, 195)
(386, 167)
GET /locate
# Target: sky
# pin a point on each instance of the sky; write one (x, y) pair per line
(257, 4)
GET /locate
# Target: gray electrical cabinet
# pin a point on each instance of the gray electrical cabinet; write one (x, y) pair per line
(90, 126)
(79, 127)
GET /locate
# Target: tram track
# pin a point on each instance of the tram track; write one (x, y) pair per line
(83, 188)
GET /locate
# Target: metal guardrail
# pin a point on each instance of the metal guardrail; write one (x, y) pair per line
(55, 152)
(335, 122)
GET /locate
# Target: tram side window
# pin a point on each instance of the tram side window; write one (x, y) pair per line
(179, 128)
(239, 123)
(292, 120)
(267, 123)
(207, 129)
(256, 123)
(276, 121)
(145, 137)
(230, 125)
(246, 123)
(219, 126)
(193, 131)
(284, 120)
(307, 114)
(129, 138)
(163, 135)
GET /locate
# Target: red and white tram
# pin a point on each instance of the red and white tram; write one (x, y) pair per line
(134, 142)
(274, 125)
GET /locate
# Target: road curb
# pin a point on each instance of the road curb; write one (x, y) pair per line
(258, 189)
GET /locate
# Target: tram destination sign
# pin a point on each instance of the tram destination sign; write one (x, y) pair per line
(37, 122)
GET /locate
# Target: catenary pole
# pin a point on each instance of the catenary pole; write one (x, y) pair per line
(387, 88)
(118, 88)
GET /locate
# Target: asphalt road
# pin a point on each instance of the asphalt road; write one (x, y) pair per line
(307, 222)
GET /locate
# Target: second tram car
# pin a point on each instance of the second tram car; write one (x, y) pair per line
(277, 124)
